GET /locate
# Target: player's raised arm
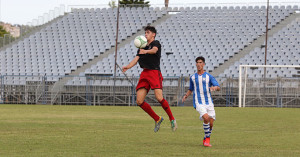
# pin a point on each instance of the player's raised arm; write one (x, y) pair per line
(131, 64)
(151, 51)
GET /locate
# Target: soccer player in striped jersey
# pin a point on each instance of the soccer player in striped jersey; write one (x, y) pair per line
(201, 85)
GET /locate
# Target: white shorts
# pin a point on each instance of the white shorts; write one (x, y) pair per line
(209, 109)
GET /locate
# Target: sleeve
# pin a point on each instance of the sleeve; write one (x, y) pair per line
(156, 44)
(137, 53)
(191, 84)
(213, 81)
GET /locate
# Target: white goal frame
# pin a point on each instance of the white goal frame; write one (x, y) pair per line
(242, 101)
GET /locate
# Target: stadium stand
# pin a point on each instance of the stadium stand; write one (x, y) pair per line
(284, 50)
(72, 41)
(218, 33)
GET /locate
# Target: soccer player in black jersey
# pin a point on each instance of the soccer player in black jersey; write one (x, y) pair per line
(151, 77)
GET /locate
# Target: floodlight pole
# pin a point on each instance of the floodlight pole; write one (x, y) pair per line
(0, 10)
(116, 50)
(266, 50)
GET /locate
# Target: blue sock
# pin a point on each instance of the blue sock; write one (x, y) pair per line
(207, 130)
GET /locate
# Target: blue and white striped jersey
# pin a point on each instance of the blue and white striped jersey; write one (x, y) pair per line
(199, 85)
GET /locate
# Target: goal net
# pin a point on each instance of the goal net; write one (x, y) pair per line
(269, 86)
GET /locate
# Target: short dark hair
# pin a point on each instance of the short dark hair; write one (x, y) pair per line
(151, 29)
(200, 58)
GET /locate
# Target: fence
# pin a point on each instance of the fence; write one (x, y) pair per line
(78, 90)
(272, 92)
(96, 90)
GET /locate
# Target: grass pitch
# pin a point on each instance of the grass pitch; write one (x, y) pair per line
(36, 130)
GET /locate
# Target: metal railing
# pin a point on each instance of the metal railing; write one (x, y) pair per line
(76, 90)
(96, 90)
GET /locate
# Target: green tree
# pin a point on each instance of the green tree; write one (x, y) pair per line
(134, 3)
(2, 31)
(112, 4)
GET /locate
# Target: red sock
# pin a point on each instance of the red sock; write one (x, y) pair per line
(165, 105)
(147, 108)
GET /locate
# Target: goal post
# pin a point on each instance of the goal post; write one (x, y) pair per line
(279, 87)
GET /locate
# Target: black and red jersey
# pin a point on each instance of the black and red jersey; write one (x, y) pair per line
(150, 61)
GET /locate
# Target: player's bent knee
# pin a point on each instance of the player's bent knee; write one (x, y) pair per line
(158, 94)
(205, 118)
(159, 98)
(139, 102)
